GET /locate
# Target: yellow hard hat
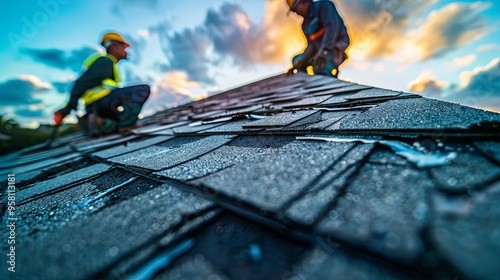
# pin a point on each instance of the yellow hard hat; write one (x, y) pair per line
(113, 36)
(292, 4)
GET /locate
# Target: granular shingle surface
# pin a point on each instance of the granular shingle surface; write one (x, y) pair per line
(383, 211)
(270, 181)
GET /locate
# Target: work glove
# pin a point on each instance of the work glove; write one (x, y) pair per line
(297, 65)
(320, 59)
(60, 114)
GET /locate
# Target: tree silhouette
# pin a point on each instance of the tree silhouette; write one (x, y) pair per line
(7, 124)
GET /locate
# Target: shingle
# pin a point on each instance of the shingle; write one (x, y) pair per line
(131, 147)
(240, 150)
(343, 90)
(384, 210)
(329, 118)
(468, 236)
(194, 267)
(89, 145)
(311, 119)
(270, 181)
(386, 156)
(491, 149)
(243, 250)
(308, 208)
(157, 128)
(336, 100)
(89, 245)
(468, 171)
(325, 123)
(187, 129)
(154, 258)
(42, 155)
(282, 119)
(373, 94)
(310, 101)
(49, 213)
(418, 113)
(233, 126)
(157, 158)
(327, 87)
(61, 181)
(320, 264)
(43, 164)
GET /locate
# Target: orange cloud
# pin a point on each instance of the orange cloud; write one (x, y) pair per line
(427, 84)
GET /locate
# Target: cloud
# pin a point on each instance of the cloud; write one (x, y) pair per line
(187, 51)
(425, 83)
(488, 47)
(61, 59)
(22, 91)
(479, 87)
(451, 27)
(229, 36)
(482, 81)
(63, 86)
(29, 113)
(137, 46)
(118, 5)
(465, 60)
(173, 89)
(379, 28)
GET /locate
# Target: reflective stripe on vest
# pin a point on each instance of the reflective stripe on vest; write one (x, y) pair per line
(92, 95)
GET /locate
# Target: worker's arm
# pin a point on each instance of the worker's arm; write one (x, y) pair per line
(101, 69)
(331, 21)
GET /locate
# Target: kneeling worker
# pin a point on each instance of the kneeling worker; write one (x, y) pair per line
(326, 35)
(109, 108)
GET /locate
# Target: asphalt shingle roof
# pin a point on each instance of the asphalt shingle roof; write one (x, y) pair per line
(301, 177)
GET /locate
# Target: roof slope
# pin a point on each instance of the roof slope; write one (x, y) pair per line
(301, 177)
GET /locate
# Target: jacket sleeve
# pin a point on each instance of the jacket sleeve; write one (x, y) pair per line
(101, 69)
(331, 21)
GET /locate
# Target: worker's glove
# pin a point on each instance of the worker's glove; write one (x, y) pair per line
(320, 59)
(296, 66)
(60, 114)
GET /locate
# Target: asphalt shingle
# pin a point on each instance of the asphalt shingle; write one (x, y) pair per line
(61, 181)
(131, 147)
(384, 210)
(158, 158)
(269, 182)
(282, 119)
(467, 234)
(240, 150)
(77, 251)
(419, 113)
(308, 208)
(469, 171)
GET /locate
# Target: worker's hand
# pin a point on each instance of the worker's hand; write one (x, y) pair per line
(60, 114)
(320, 59)
(299, 64)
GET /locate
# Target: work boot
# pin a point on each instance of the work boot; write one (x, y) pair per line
(95, 126)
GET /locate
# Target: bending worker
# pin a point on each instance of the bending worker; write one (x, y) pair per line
(109, 108)
(326, 34)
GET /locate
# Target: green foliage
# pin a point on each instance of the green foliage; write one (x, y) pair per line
(23, 137)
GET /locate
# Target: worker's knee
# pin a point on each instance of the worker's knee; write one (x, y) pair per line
(140, 93)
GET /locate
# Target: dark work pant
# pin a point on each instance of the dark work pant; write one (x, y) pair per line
(122, 105)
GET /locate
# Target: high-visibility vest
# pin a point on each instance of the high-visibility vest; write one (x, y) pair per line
(107, 85)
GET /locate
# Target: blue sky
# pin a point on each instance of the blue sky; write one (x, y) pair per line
(189, 49)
